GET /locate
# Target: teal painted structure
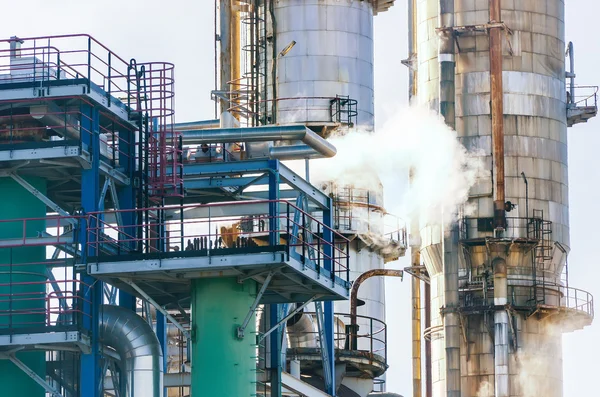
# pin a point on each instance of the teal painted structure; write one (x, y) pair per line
(15, 268)
(222, 364)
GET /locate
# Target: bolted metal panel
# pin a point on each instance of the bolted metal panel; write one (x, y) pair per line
(529, 69)
(333, 55)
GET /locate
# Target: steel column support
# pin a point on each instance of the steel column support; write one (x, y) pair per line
(275, 344)
(328, 264)
(124, 198)
(161, 334)
(42, 382)
(274, 221)
(92, 289)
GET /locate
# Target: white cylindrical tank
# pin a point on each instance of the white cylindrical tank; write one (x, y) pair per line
(332, 56)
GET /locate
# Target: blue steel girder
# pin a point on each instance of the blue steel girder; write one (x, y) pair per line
(90, 368)
(193, 174)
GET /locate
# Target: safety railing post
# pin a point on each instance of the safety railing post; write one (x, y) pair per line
(89, 65)
(108, 92)
(333, 249)
(347, 260)
(289, 230)
(319, 244)
(304, 238)
(371, 333)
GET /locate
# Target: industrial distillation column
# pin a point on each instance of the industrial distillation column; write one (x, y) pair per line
(510, 108)
(22, 281)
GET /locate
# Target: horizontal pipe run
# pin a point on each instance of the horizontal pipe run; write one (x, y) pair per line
(261, 134)
(197, 125)
(294, 152)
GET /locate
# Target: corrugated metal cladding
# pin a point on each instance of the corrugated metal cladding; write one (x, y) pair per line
(333, 56)
(535, 143)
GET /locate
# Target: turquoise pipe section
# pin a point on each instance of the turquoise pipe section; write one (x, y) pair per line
(28, 300)
(222, 364)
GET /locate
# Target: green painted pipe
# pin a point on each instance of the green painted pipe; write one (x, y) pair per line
(222, 364)
(27, 298)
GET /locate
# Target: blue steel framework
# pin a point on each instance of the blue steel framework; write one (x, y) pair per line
(54, 80)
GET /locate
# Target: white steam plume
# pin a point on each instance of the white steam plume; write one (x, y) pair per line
(414, 139)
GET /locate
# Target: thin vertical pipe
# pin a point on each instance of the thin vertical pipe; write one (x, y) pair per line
(497, 110)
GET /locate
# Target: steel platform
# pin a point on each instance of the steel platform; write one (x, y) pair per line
(167, 278)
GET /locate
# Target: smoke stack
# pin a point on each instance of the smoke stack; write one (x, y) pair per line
(15, 47)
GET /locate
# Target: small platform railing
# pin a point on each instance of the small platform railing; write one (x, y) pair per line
(40, 305)
(219, 229)
(63, 57)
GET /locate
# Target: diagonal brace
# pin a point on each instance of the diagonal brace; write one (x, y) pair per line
(51, 204)
(42, 382)
(158, 307)
(290, 315)
(242, 328)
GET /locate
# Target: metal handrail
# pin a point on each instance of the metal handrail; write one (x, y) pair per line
(535, 294)
(315, 244)
(534, 228)
(587, 97)
(375, 335)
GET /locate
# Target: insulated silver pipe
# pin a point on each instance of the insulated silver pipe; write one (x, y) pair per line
(261, 134)
(501, 380)
(302, 331)
(197, 125)
(571, 73)
(451, 317)
(51, 116)
(294, 152)
(139, 349)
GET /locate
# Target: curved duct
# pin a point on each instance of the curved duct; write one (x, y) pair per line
(302, 332)
(139, 349)
(263, 134)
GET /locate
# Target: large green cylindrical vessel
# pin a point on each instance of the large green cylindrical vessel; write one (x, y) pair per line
(222, 364)
(22, 287)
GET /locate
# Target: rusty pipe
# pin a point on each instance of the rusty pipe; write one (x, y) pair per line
(354, 297)
(497, 111)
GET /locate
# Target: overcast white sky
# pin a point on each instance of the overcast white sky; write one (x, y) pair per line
(181, 32)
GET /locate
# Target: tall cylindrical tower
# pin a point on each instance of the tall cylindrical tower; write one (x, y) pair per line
(505, 92)
(323, 77)
(332, 56)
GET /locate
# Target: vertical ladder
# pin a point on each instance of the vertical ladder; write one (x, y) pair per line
(542, 256)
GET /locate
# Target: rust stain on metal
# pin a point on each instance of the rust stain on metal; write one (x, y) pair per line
(497, 110)
(354, 296)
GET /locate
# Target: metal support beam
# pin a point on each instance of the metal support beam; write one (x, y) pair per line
(49, 203)
(263, 288)
(42, 382)
(290, 315)
(159, 308)
(327, 374)
(115, 200)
